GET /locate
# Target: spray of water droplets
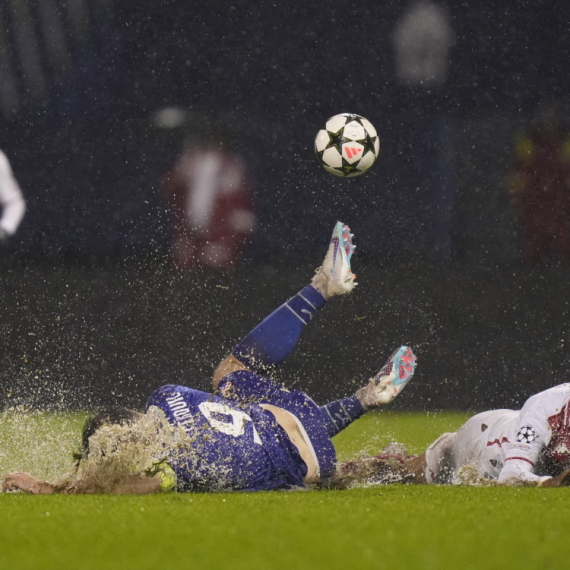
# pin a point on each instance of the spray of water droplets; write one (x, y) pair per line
(122, 450)
(38, 442)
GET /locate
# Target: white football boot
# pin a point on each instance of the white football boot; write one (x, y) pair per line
(390, 381)
(335, 277)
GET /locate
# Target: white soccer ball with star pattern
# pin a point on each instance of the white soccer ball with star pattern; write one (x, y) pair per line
(348, 145)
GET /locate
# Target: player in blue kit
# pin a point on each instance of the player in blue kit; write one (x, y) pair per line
(251, 434)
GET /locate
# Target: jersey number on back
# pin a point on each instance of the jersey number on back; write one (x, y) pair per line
(235, 427)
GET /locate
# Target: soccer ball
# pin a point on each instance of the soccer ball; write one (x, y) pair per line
(348, 145)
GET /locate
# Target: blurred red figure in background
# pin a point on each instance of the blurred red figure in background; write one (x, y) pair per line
(540, 189)
(210, 193)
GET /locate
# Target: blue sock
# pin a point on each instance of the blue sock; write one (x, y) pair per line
(340, 414)
(273, 340)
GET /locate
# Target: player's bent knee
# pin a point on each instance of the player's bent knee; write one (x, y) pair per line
(227, 366)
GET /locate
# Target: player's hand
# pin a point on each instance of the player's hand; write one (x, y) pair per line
(562, 480)
(26, 483)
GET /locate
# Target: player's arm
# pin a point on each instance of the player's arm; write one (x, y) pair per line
(137, 484)
(26, 483)
(522, 455)
(532, 436)
(228, 365)
(129, 485)
(517, 472)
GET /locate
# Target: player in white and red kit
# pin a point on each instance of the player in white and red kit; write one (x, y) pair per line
(11, 201)
(210, 193)
(530, 446)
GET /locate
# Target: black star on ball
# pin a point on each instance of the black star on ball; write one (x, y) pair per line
(368, 143)
(352, 117)
(336, 140)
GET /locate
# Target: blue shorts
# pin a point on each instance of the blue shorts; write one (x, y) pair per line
(249, 388)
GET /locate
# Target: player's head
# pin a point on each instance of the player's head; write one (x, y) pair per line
(109, 416)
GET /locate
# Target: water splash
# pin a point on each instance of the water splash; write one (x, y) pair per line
(38, 442)
(122, 450)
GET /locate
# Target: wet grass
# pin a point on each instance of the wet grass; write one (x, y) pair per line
(399, 527)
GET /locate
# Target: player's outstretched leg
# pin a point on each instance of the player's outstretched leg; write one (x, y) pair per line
(270, 342)
(381, 389)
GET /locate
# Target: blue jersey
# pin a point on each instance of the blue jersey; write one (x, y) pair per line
(231, 445)
(246, 386)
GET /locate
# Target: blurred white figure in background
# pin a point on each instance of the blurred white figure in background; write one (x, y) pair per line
(422, 40)
(12, 202)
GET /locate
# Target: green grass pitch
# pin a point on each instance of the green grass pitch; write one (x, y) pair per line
(392, 527)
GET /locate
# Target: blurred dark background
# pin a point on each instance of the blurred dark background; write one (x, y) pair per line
(92, 308)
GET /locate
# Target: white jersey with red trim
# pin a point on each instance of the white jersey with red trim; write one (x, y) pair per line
(515, 447)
